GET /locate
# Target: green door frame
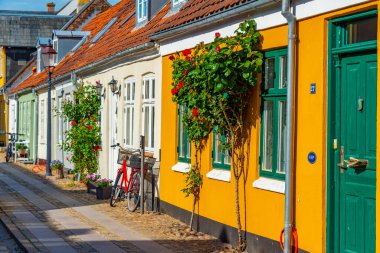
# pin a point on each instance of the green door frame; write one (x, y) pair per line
(335, 51)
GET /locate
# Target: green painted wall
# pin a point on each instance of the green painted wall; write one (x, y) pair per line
(25, 120)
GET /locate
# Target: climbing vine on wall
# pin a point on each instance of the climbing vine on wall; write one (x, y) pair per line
(83, 137)
(212, 82)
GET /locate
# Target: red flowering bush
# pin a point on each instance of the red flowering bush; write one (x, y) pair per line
(82, 144)
(221, 75)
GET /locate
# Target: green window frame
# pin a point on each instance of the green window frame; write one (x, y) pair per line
(273, 115)
(184, 145)
(220, 159)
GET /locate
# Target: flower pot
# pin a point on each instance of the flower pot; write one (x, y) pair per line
(103, 192)
(91, 187)
(22, 152)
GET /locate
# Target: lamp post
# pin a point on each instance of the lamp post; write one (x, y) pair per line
(48, 59)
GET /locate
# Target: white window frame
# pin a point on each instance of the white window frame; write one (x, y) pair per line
(129, 105)
(177, 2)
(149, 107)
(68, 123)
(60, 122)
(42, 121)
(143, 14)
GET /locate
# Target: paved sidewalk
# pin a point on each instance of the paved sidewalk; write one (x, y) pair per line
(45, 218)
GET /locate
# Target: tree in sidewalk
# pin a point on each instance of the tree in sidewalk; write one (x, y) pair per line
(83, 138)
(213, 83)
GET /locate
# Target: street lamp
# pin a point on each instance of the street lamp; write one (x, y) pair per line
(48, 59)
(99, 90)
(113, 84)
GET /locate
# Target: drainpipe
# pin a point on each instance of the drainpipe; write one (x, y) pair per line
(35, 140)
(289, 189)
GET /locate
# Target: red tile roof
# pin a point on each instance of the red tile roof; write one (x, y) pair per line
(123, 36)
(195, 10)
(118, 38)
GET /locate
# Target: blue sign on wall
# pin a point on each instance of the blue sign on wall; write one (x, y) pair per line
(311, 157)
(313, 88)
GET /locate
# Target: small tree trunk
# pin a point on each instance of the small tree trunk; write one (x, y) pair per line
(241, 241)
(192, 212)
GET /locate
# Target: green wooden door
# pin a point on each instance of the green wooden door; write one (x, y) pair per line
(357, 188)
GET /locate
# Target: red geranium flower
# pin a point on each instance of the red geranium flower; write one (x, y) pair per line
(175, 91)
(186, 52)
(97, 82)
(180, 85)
(217, 49)
(92, 118)
(89, 127)
(73, 123)
(185, 72)
(195, 112)
(172, 58)
(188, 58)
(217, 34)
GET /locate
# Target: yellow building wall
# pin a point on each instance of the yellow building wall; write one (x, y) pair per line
(265, 210)
(3, 105)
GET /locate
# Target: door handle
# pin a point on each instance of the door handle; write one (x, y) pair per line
(356, 163)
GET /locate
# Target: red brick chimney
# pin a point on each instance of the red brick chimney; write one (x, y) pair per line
(50, 7)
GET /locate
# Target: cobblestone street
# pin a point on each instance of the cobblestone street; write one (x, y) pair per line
(52, 215)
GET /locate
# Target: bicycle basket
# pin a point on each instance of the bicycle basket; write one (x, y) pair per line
(135, 162)
(123, 155)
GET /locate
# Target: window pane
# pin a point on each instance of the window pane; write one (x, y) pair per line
(152, 128)
(128, 125)
(227, 158)
(218, 149)
(362, 30)
(281, 137)
(268, 136)
(128, 91)
(144, 8)
(146, 125)
(283, 71)
(180, 135)
(269, 73)
(140, 9)
(153, 88)
(146, 89)
(131, 137)
(133, 91)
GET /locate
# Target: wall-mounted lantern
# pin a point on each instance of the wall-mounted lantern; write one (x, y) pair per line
(113, 84)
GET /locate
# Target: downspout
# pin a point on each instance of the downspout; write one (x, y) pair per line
(289, 169)
(35, 140)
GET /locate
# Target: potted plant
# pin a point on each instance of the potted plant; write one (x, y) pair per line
(91, 182)
(103, 191)
(57, 165)
(21, 148)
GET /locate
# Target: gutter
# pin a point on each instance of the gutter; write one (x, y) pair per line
(289, 170)
(35, 123)
(212, 19)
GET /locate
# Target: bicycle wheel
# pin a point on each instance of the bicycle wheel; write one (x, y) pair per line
(116, 192)
(133, 195)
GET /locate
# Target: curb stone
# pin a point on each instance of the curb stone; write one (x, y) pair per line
(17, 235)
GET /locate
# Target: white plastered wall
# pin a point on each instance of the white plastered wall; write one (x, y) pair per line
(137, 69)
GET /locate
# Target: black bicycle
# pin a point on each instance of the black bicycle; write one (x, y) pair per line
(9, 153)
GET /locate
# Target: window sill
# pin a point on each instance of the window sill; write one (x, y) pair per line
(181, 167)
(270, 185)
(221, 175)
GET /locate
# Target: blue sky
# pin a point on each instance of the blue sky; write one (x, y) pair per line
(34, 5)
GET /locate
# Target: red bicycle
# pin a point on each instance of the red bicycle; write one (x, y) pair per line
(125, 186)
